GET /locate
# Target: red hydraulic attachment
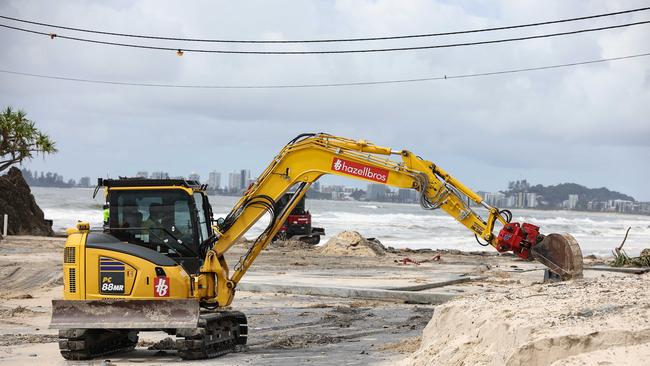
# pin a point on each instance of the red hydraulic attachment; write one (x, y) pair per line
(518, 238)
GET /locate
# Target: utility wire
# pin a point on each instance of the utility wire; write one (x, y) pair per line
(326, 40)
(180, 51)
(328, 85)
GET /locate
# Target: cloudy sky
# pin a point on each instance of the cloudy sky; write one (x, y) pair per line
(587, 124)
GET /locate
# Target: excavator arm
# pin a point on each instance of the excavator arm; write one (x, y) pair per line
(310, 156)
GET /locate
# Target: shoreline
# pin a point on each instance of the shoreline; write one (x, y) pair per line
(396, 225)
(236, 196)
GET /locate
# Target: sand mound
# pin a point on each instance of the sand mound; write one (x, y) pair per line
(352, 243)
(544, 324)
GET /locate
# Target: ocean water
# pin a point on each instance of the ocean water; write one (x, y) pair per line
(394, 224)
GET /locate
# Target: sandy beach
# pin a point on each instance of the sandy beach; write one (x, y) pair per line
(503, 315)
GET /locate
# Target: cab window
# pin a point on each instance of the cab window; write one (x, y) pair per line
(157, 219)
(204, 225)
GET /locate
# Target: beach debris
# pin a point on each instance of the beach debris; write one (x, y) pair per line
(621, 259)
(436, 258)
(352, 243)
(303, 341)
(291, 244)
(406, 260)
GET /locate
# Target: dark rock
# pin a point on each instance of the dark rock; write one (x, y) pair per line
(16, 200)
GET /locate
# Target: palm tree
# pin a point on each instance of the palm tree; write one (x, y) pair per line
(20, 139)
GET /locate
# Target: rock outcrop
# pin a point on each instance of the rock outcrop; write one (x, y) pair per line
(16, 200)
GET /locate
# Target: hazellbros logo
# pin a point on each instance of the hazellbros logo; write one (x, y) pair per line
(161, 287)
(360, 170)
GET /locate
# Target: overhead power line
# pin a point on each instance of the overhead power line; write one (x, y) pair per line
(424, 35)
(326, 85)
(180, 51)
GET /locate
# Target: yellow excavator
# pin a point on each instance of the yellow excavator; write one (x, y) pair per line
(158, 263)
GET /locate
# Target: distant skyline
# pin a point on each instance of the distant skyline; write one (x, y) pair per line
(586, 124)
(329, 180)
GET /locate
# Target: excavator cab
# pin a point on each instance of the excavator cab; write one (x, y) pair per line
(167, 219)
(171, 217)
(134, 274)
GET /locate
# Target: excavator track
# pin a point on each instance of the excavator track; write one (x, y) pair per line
(218, 333)
(85, 344)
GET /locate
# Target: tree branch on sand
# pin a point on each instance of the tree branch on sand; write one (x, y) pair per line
(620, 257)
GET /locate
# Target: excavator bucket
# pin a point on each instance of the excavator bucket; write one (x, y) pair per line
(561, 254)
(124, 314)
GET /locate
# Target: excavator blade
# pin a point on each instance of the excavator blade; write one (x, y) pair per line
(561, 254)
(124, 314)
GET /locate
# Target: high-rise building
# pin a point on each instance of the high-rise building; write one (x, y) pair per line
(234, 181)
(520, 198)
(142, 174)
(194, 176)
(623, 205)
(214, 180)
(239, 180)
(159, 175)
(573, 201)
(496, 199)
(376, 192)
(531, 200)
(244, 177)
(84, 182)
(406, 195)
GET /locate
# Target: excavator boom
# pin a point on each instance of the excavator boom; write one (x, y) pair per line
(310, 156)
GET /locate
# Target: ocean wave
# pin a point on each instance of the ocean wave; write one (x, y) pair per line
(374, 207)
(380, 217)
(397, 225)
